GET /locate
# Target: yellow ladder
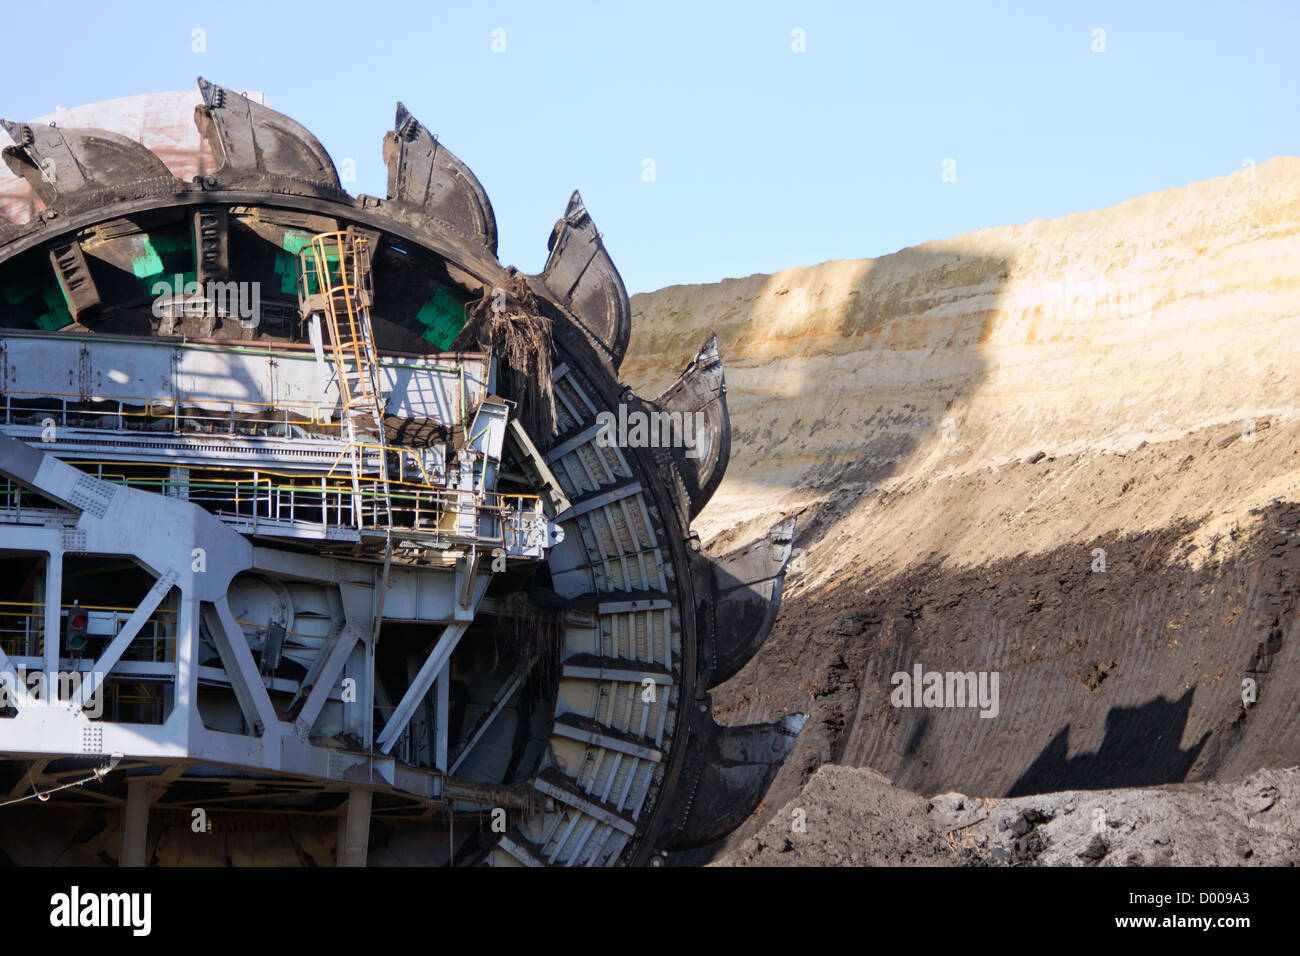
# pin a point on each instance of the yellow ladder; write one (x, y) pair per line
(334, 281)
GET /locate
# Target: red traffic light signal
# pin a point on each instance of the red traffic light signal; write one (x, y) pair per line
(77, 621)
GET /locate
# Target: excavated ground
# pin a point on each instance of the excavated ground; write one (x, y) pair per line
(856, 817)
(1067, 453)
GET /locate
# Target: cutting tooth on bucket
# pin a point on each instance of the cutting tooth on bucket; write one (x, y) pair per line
(249, 140)
(62, 164)
(581, 275)
(426, 175)
(741, 599)
(699, 397)
(727, 773)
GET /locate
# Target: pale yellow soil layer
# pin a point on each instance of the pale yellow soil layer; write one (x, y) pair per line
(970, 432)
(871, 397)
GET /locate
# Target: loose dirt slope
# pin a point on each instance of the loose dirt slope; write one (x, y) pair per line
(1065, 451)
(856, 817)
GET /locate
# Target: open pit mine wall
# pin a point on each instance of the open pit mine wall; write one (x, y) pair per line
(1065, 452)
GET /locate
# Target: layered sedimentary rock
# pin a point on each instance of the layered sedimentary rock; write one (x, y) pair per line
(1065, 451)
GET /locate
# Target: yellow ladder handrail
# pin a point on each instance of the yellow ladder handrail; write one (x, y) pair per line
(343, 285)
(339, 262)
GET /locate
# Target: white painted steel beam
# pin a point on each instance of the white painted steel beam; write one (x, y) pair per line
(519, 852)
(130, 628)
(599, 499)
(245, 679)
(608, 741)
(441, 711)
(53, 616)
(502, 699)
(433, 665)
(586, 805)
(325, 672)
(420, 684)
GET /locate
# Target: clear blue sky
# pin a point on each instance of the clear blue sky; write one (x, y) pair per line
(764, 157)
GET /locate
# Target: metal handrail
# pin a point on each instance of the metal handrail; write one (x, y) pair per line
(33, 637)
(177, 408)
(257, 496)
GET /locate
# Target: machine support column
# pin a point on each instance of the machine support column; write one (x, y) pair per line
(53, 619)
(354, 829)
(135, 822)
(441, 700)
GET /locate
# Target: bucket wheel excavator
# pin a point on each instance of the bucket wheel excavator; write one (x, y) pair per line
(312, 498)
